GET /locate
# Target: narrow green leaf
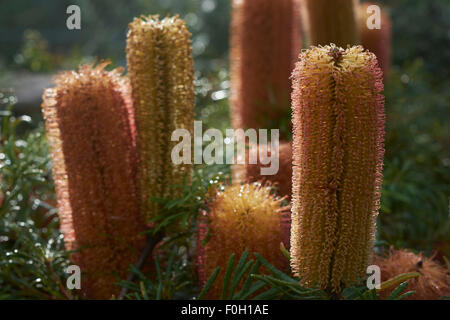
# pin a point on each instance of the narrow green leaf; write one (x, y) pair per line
(238, 277)
(228, 272)
(209, 283)
(394, 294)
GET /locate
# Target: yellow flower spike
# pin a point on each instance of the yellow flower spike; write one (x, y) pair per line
(338, 118)
(243, 217)
(160, 69)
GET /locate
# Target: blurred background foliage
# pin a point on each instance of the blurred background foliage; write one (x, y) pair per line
(34, 40)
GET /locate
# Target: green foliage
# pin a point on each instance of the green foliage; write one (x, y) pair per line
(32, 256)
(34, 54)
(426, 37)
(256, 284)
(207, 20)
(415, 196)
(173, 279)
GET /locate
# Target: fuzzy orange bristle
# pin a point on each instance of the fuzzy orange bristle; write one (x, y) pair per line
(265, 41)
(90, 132)
(434, 279)
(282, 180)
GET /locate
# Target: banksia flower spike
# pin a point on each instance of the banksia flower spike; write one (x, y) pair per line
(243, 217)
(338, 117)
(252, 172)
(160, 68)
(377, 41)
(326, 21)
(265, 41)
(89, 128)
(433, 282)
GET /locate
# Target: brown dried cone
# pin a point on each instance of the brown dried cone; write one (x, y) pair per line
(377, 41)
(326, 22)
(434, 279)
(265, 41)
(160, 68)
(88, 122)
(243, 217)
(282, 180)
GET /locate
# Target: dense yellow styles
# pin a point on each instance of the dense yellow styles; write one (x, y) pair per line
(241, 217)
(160, 69)
(330, 21)
(338, 118)
(265, 41)
(88, 119)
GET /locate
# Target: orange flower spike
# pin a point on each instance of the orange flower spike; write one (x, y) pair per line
(434, 279)
(241, 217)
(282, 180)
(87, 118)
(326, 21)
(160, 68)
(265, 41)
(338, 118)
(377, 41)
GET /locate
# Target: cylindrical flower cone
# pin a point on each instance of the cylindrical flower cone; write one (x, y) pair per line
(243, 217)
(160, 69)
(89, 129)
(338, 118)
(377, 41)
(326, 22)
(265, 41)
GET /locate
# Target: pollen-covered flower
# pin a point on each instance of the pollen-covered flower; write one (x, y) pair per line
(160, 69)
(90, 131)
(338, 118)
(377, 41)
(326, 22)
(265, 41)
(433, 282)
(282, 180)
(243, 217)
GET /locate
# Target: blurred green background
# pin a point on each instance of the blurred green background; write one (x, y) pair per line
(35, 44)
